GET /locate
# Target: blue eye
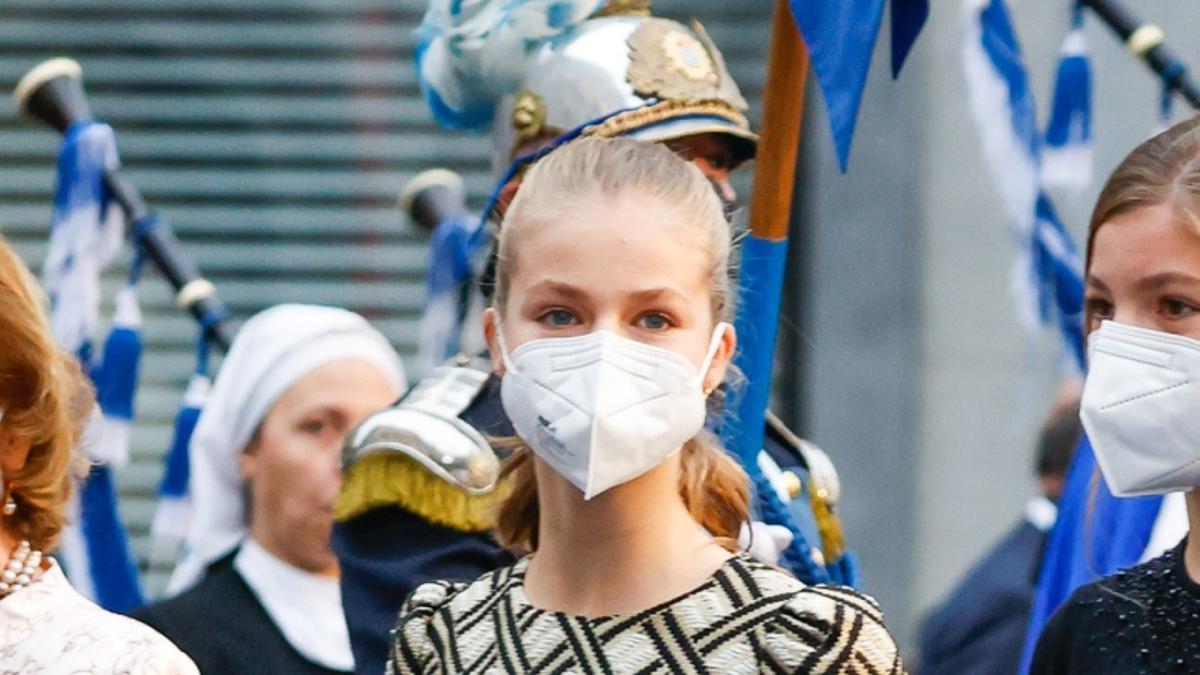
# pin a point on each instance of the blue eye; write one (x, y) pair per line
(653, 322)
(559, 318)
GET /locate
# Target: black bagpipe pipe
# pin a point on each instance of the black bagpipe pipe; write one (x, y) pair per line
(52, 92)
(1146, 41)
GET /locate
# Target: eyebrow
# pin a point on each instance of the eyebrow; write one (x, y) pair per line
(652, 294)
(558, 288)
(573, 293)
(1093, 280)
(324, 410)
(1157, 281)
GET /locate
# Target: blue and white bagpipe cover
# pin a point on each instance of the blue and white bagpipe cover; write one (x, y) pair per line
(85, 236)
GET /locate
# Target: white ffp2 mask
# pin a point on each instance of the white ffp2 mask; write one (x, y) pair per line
(602, 409)
(1141, 409)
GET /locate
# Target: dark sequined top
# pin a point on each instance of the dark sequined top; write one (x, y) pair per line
(1142, 620)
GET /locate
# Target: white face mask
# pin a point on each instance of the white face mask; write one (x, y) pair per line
(1141, 409)
(601, 409)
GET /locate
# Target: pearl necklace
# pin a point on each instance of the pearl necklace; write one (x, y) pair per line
(21, 570)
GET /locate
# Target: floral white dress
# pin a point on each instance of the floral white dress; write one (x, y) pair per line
(49, 628)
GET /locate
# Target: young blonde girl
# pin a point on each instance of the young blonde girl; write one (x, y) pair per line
(610, 331)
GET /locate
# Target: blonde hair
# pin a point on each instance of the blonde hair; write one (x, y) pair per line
(46, 401)
(581, 174)
(1162, 170)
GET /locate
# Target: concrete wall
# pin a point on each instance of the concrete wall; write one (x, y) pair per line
(921, 382)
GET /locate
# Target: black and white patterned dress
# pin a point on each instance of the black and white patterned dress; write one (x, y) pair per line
(747, 618)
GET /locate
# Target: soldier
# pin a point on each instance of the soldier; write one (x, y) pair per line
(422, 480)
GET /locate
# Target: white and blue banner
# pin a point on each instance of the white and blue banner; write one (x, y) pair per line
(85, 236)
(1048, 274)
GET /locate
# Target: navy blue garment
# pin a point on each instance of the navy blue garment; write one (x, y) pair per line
(387, 552)
(980, 628)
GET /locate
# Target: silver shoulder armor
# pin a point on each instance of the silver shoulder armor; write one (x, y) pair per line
(424, 426)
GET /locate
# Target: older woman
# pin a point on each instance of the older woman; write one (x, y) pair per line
(45, 626)
(265, 473)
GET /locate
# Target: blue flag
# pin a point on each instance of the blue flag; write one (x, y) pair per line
(841, 37)
(908, 18)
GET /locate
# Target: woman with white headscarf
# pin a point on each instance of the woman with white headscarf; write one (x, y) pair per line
(260, 580)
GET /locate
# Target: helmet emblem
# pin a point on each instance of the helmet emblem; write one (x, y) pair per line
(668, 62)
(688, 57)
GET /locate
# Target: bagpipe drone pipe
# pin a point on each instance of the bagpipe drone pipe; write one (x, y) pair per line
(83, 241)
(52, 92)
(1147, 42)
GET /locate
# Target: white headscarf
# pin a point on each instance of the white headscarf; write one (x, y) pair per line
(273, 350)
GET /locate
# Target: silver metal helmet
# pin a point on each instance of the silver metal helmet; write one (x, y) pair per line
(663, 80)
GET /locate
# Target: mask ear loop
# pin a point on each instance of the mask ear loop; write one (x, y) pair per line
(713, 346)
(502, 343)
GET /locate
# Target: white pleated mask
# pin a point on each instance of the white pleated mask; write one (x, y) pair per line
(602, 409)
(1141, 409)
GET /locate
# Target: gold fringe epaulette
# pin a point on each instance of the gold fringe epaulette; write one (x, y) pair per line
(392, 479)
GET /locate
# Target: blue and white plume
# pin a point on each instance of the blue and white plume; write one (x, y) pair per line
(470, 54)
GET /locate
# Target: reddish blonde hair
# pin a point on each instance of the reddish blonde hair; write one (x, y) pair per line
(713, 486)
(46, 401)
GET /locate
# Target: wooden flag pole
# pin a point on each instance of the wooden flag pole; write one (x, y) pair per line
(764, 252)
(760, 284)
(783, 114)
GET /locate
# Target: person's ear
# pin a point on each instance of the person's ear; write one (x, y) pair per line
(248, 459)
(491, 326)
(721, 360)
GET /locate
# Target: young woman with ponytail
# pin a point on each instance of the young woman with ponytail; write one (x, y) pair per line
(610, 329)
